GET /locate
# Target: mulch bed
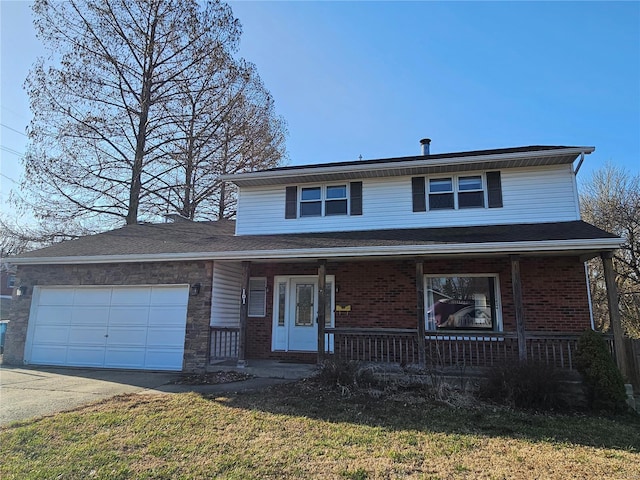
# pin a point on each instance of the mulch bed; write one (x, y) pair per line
(212, 378)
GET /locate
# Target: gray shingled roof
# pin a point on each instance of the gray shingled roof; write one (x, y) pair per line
(218, 238)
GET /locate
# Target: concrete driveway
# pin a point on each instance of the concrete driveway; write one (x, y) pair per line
(27, 392)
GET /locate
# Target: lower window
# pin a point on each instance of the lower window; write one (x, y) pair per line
(462, 302)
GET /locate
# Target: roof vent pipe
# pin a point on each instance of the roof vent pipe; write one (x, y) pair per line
(425, 142)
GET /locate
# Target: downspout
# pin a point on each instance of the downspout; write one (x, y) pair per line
(575, 186)
(577, 169)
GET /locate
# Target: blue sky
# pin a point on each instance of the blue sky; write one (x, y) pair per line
(372, 78)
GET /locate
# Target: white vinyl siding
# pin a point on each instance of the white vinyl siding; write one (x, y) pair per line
(225, 302)
(530, 195)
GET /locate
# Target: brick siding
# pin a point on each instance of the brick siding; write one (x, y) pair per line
(382, 294)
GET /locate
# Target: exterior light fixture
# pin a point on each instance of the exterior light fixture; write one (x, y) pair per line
(21, 290)
(195, 289)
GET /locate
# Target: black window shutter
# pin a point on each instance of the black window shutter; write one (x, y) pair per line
(291, 203)
(417, 191)
(356, 198)
(494, 189)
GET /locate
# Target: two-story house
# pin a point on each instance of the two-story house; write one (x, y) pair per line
(475, 257)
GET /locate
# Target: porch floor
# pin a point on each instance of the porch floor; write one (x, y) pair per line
(266, 368)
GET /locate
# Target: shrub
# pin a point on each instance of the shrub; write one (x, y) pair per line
(528, 385)
(605, 386)
(349, 374)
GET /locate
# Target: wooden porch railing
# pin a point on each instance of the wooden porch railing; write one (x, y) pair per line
(224, 343)
(455, 348)
(446, 349)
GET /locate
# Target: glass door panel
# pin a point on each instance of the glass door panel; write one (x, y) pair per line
(304, 305)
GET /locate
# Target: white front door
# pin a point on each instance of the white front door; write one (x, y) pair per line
(295, 313)
(303, 314)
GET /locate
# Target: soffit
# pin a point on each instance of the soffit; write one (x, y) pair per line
(410, 166)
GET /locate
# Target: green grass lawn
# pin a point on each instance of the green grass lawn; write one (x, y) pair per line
(305, 431)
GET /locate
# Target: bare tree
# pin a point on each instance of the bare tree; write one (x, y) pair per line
(611, 201)
(16, 237)
(118, 100)
(227, 124)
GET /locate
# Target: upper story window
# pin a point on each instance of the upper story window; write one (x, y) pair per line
(440, 193)
(470, 192)
(325, 200)
(311, 202)
(336, 201)
(318, 201)
(457, 192)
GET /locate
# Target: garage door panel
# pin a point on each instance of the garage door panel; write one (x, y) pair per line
(127, 336)
(166, 337)
(159, 316)
(125, 357)
(128, 315)
(51, 335)
(86, 315)
(131, 296)
(55, 296)
(164, 359)
(54, 315)
(169, 296)
(81, 356)
(92, 296)
(115, 327)
(50, 355)
(89, 335)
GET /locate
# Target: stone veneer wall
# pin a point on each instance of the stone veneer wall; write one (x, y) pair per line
(196, 355)
(382, 294)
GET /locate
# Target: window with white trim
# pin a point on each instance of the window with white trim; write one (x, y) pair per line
(470, 192)
(462, 302)
(336, 200)
(456, 192)
(323, 201)
(440, 193)
(257, 297)
(311, 202)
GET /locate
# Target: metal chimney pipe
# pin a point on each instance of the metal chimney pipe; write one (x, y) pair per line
(425, 142)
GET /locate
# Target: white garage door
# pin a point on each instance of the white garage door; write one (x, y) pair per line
(140, 327)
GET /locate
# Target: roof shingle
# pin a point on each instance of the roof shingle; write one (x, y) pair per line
(218, 237)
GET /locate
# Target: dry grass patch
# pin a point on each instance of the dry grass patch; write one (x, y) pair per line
(305, 431)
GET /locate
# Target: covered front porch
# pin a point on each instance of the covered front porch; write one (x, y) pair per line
(378, 311)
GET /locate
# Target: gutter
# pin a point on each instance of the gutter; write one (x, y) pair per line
(338, 252)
